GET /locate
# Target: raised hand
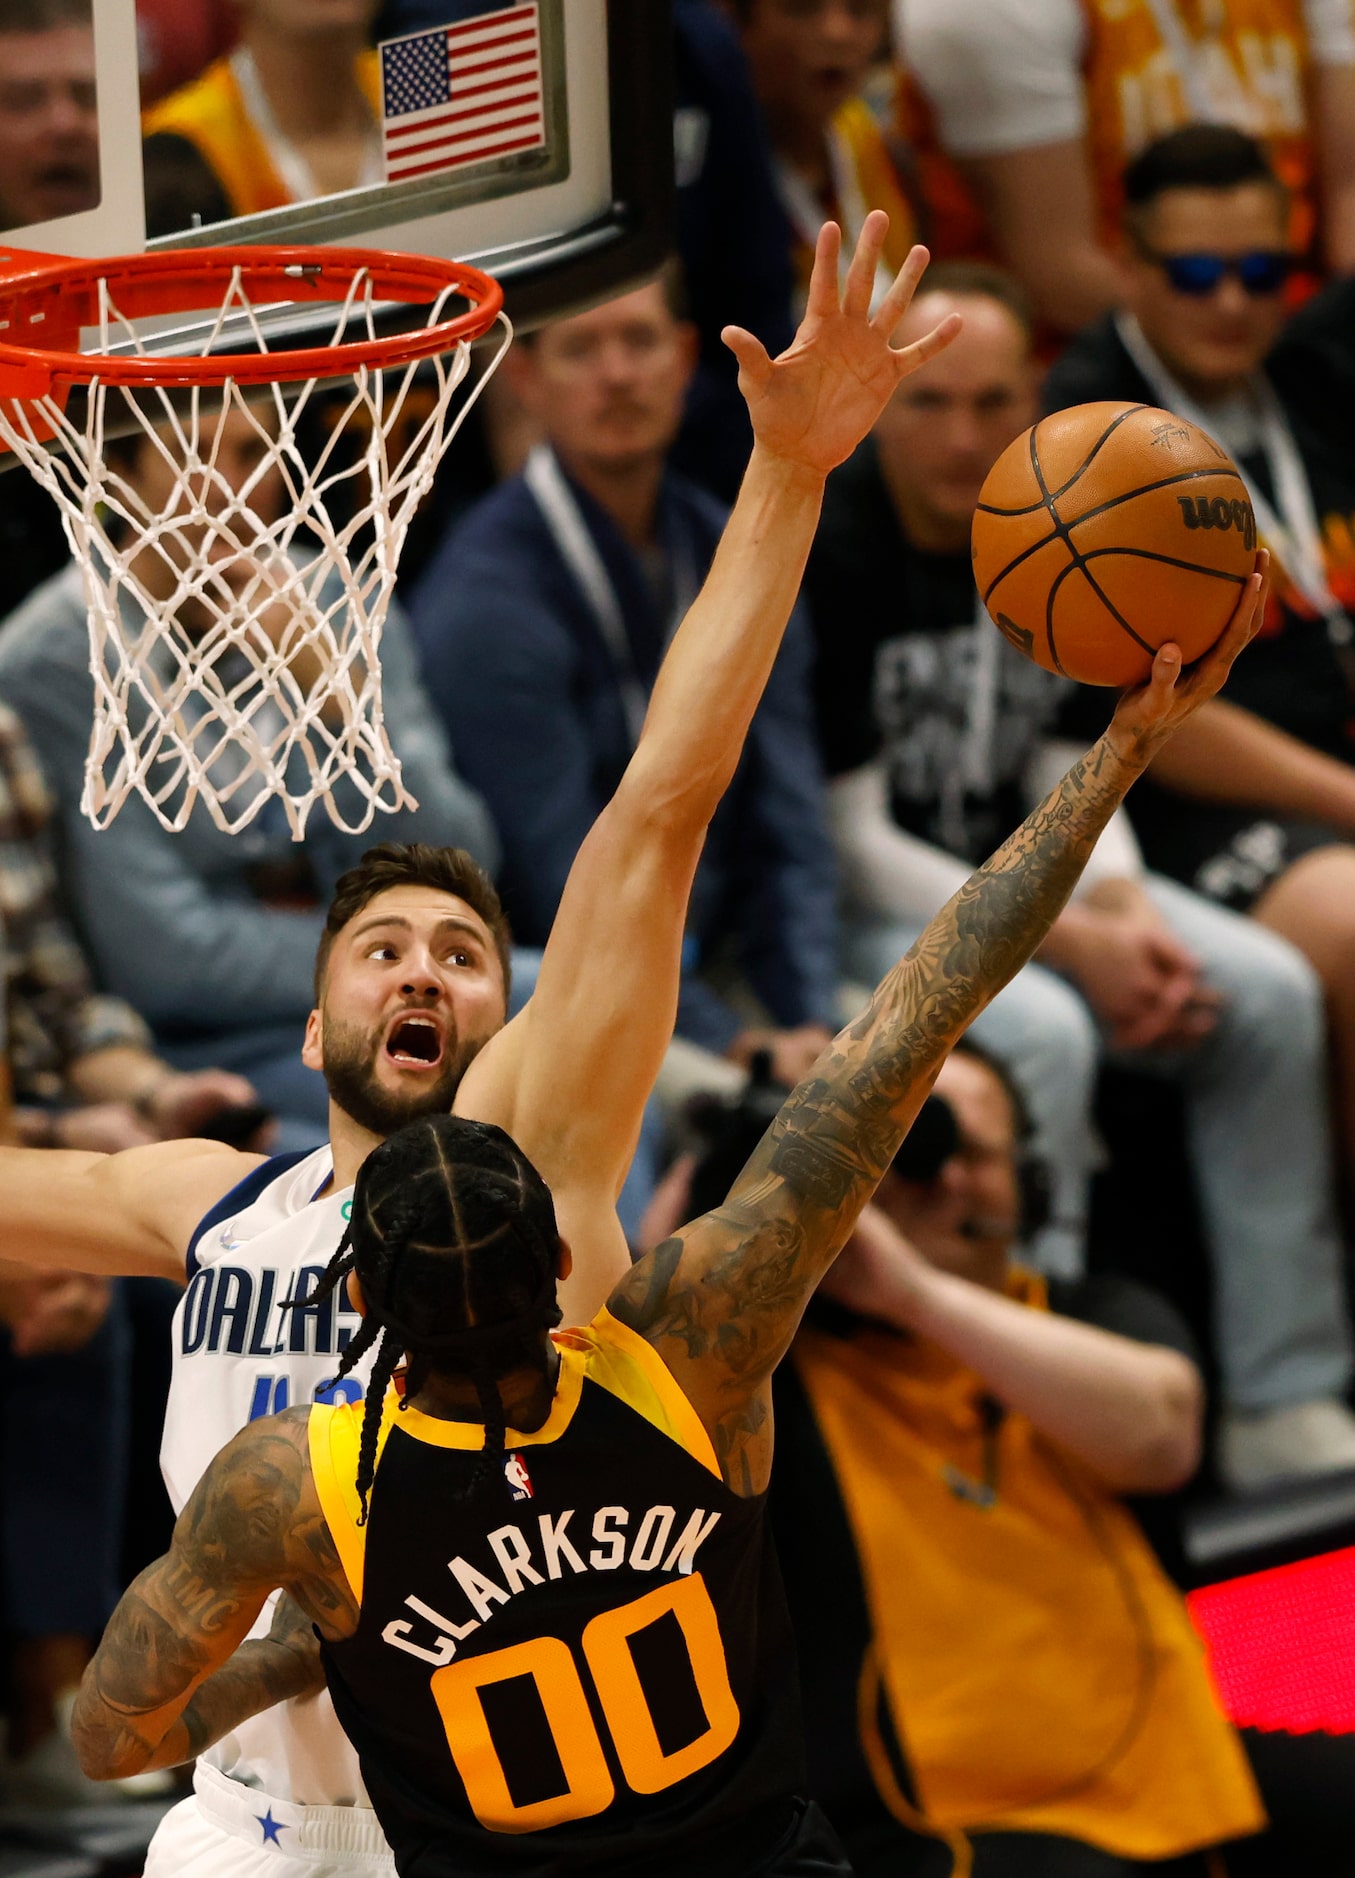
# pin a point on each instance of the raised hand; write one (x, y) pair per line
(815, 403)
(1147, 715)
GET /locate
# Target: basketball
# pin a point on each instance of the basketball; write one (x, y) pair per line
(1107, 530)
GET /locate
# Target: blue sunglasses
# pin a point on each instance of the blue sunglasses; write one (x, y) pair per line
(1264, 271)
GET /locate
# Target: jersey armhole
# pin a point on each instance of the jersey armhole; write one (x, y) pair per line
(244, 1193)
(334, 1432)
(621, 1362)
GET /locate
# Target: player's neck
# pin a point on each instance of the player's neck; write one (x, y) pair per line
(527, 1395)
(350, 1144)
(628, 490)
(311, 85)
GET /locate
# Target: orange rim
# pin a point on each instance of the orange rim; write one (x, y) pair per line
(45, 302)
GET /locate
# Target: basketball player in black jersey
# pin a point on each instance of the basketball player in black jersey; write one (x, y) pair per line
(538, 1565)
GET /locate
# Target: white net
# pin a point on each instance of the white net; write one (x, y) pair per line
(239, 548)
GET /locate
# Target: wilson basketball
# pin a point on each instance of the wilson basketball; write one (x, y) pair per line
(1107, 530)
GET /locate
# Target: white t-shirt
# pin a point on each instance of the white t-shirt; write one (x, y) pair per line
(1006, 75)
(238, 1355)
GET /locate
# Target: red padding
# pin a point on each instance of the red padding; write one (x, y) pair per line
(1281, 1645)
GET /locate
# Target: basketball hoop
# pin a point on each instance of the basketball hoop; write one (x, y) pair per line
(235, 653)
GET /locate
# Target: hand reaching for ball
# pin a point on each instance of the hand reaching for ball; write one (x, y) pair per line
(1147, 715)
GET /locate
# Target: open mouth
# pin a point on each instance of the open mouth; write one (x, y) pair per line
(415, 1041)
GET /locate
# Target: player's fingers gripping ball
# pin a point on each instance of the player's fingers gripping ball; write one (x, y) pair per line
(1107, 530)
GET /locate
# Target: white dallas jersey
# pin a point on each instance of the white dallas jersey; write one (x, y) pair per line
(239, 1355)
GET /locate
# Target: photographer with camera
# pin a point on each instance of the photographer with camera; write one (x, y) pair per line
(987, 1643)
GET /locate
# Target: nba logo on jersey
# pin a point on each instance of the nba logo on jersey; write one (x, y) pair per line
(515, 1473)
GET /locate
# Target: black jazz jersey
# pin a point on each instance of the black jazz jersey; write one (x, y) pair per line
(589, 1670)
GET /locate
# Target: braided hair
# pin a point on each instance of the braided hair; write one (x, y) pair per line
(453, 1240)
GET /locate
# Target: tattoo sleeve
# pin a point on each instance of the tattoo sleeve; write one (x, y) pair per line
(722, 1299)
(156, 1691)
(262, 1672)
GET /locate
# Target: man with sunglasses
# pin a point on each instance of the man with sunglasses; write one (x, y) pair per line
(1256, 806)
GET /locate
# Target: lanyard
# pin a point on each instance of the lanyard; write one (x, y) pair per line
(578, 551)
(1289, 525)
(293, 170)
(806, 212)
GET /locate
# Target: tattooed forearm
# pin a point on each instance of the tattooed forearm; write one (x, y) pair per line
(277, 1668)
(159, 1687)
(841, 1128)
(722, 1299)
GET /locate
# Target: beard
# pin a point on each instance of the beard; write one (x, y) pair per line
(351, 1059)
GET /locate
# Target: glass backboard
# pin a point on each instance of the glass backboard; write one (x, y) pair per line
(532, 137)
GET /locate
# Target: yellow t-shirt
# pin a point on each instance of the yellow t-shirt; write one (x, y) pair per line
(213, 115)
(1036, 1665)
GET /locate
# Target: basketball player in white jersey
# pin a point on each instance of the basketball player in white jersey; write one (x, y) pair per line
(411, 994)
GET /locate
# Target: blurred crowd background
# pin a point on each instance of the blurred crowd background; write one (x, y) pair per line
(1114, 1260)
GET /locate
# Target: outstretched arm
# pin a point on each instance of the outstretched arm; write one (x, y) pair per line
(722, 1299)
(253, 1524)
(570, 1077)
(127, 1215)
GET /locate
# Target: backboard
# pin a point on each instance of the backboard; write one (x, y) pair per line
(532, 137)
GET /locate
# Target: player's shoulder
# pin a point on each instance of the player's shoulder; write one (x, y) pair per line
(178, 1181)
(247, 1194)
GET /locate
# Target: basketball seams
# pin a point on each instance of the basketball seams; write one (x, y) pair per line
(1092, 454)
(1062, 531)
(1115, 612)
(1031, 507)
(1075, 567)
(1168, 560)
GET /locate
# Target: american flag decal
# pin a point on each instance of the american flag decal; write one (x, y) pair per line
(463, 93)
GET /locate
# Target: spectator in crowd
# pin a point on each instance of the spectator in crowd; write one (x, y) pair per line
(1257, 807)
(49, 124)
(40, 1310)
(734, 243)
(732, 235)
(49, 167)
(987, 1644)
(80, 1065)
(936, 733)
(290, 114)
(212, 936)
(1044, 102)
(809, 60)
(64, 1422)
(63, 1356)
(541, 622)
(178, 39)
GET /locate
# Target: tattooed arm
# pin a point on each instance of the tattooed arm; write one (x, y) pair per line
(721, 1300)
(277, 1668)
(156, 1692)
(569, 1077)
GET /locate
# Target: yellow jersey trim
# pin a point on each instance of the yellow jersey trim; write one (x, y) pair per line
(613, 1356)
(626, 1366)
(334, 1431)
(471, 1435)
